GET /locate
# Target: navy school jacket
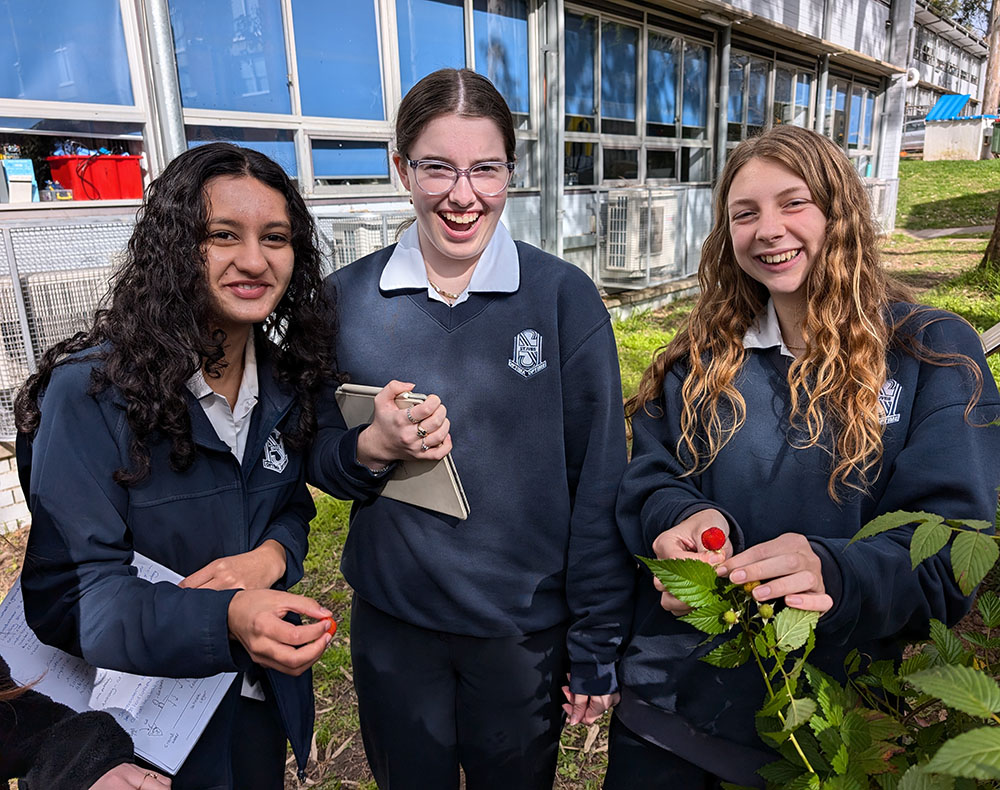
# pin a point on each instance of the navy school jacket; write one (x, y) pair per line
(82, 596)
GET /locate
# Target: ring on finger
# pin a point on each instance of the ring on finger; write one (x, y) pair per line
(410, 417)
(424, 447)
(146, 776)
(421, 432)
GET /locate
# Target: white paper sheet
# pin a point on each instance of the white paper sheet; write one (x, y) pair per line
(164, 716)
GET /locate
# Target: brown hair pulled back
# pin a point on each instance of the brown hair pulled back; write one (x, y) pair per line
(446, 91)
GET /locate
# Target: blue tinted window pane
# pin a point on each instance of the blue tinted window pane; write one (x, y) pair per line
(580, 34)
(349, 158)
(737, 77)
(661, 87)
(64, 51)
(855, 118)
(695, 85)
(431, 37)
(618, 56)
(802, 89)
(278, 144)
(757, 93)
(231, 56)
(339, 74)
(501, 32)
(869, 119)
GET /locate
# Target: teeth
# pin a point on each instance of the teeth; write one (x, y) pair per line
(785, 256)
(461, 219)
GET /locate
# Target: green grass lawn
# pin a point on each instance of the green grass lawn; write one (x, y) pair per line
(947, 194)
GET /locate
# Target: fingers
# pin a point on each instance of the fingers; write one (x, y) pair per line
(585, 709)
(675, 606)
(256, 620)
(128, 776)
(786, 567)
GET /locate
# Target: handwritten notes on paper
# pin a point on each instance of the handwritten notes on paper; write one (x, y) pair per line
(164, 716)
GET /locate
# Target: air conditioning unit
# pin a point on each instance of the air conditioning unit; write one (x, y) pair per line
(638, 232)
(61, 303)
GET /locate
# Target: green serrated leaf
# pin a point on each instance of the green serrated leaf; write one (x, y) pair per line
(974, 754)
(777, 703)
(798, 713)
(852, 662)
(971, 523)
(884, 728)
(708, 618)
(989, 607)
(980, 640)
(962, 688)
(840, 759)
(914, 663)
(855, 731)
(792, 628)
(804, 782)
(928, 539)
(731, 654)
(692, 581)
(972, 555)
(917, 778)
(898, 518)
(948, 645)
(780, 772)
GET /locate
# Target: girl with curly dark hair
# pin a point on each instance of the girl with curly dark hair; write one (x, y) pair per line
(174, 428)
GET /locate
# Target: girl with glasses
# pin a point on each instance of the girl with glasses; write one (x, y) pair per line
(470, 638)
(806, 396)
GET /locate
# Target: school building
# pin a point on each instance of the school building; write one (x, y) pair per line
(625, 111)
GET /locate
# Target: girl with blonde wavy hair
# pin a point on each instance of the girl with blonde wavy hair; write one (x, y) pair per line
(805, 396)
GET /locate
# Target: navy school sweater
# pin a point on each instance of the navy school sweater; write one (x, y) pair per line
(531, 383)
(934, 460)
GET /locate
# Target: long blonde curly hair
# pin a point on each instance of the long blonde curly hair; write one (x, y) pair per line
(834, 383)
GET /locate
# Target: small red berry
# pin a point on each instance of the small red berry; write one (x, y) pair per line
(332, 628)
(713, 539)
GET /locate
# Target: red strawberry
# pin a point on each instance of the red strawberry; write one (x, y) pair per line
(713, 539)
(332, 629)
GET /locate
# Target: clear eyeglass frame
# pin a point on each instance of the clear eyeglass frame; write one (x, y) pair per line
(457, 172)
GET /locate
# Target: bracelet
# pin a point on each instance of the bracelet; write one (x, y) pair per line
(375, 472)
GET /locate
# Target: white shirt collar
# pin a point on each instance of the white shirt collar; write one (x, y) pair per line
(497, 269)
(765, 332)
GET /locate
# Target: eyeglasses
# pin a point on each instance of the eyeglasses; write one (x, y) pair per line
(486, 178)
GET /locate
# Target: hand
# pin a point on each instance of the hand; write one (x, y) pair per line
(786, 567)
(253, 570)
(684, 541)
(393, 437)
(129, 776)
(584, 709)
(256, 620)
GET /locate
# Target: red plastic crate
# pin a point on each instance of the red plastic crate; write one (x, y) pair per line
(103, 177)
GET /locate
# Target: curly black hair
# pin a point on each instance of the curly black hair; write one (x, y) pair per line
(158, 330)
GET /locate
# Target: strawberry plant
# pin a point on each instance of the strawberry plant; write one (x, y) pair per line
(926, 723)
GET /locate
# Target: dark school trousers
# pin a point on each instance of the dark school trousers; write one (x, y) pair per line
(429, 701)
(634, 762)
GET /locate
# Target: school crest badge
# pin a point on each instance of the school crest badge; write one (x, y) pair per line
(888, 399)
(527, 359)
(275, 457)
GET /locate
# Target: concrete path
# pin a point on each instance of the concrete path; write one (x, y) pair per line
(937, 233)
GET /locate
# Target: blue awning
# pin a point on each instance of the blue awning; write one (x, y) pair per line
(948, 106)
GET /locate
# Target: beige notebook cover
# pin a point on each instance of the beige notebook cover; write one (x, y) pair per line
(430, 484)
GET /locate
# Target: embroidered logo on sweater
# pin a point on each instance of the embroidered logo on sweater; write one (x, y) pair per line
(888, 399)
(527, 359)
(275, 457)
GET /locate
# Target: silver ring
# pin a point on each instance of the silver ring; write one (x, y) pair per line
(424, 447)
(421, 432)
(409, 416)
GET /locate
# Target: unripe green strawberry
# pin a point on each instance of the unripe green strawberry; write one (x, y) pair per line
(713, 539)
(766, 611)
(731, 617)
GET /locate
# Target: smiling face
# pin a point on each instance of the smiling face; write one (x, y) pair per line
(455, 227)
(777, 230)
(248, 252)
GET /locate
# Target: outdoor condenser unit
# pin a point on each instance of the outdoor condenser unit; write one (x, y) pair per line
(638, 231)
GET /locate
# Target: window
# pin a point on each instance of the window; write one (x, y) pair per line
(431, 37)
(338, 77)
(347, 162)
(849, 113)
(279, 144)
(792, 93)
(231, 56)
(64, 51)
(747, 111)
(615, 136)
(501, 43)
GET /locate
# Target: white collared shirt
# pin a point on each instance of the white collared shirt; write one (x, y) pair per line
(231, 425)
(496, 270)
(765, 332)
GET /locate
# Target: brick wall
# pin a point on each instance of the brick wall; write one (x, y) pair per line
(13, 509)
